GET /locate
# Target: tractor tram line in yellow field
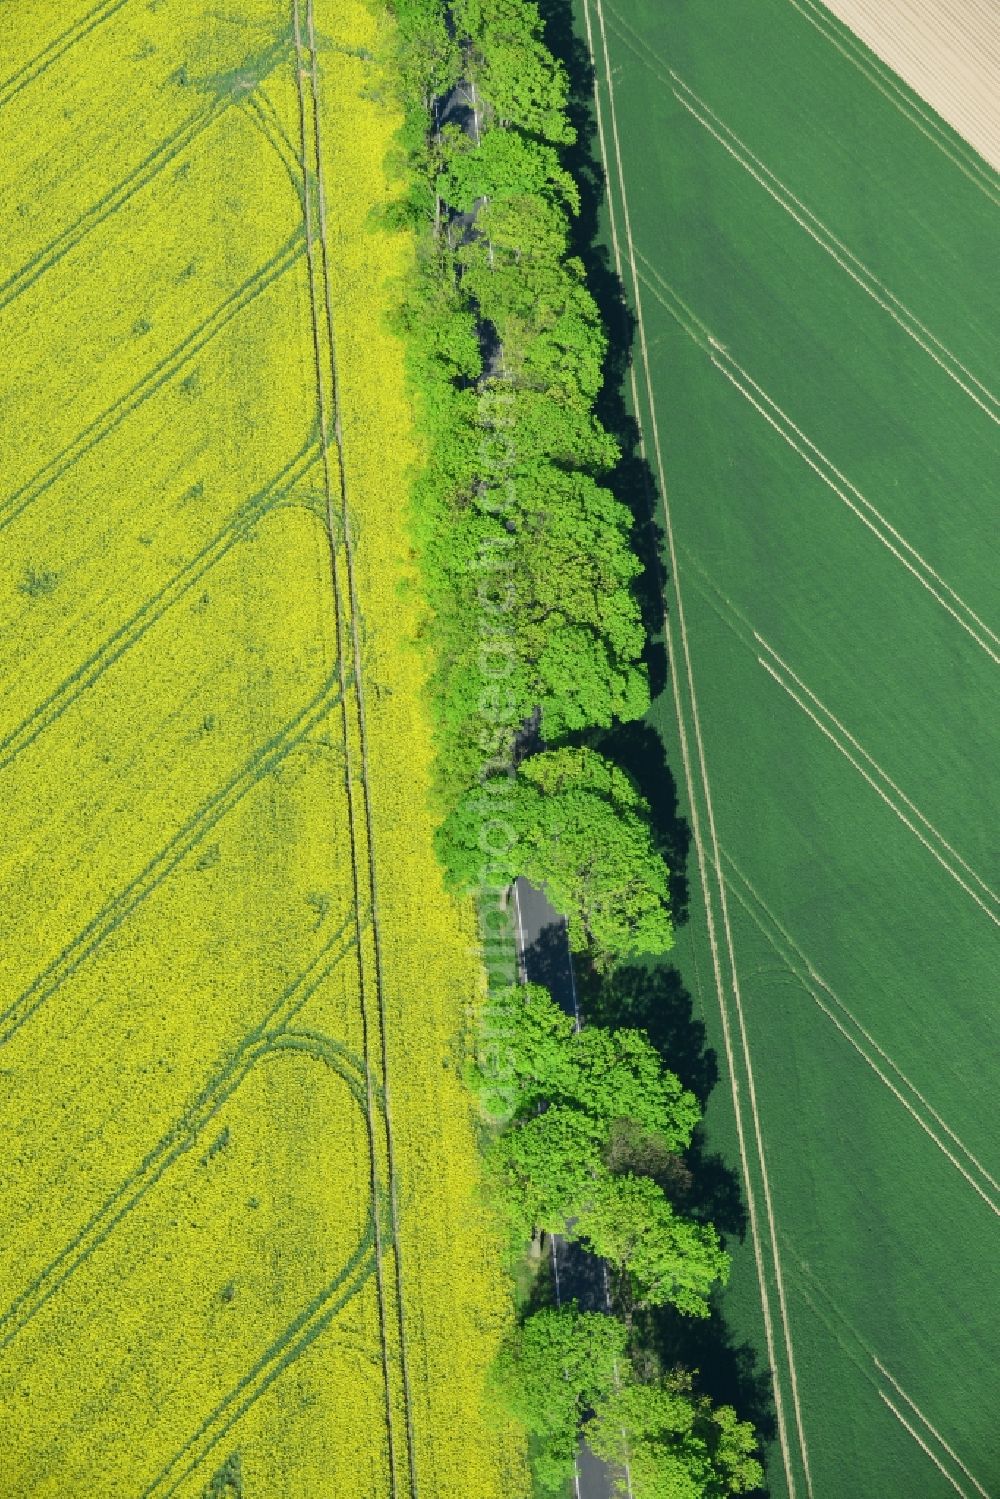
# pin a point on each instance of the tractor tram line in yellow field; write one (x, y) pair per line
(293, 1341)
(57, 48)
(181, 1222)
(239, 88)
(238, 528)
(346, 611)
(271, 1036)
(87, 941)
(154, 379)
(266, 1037)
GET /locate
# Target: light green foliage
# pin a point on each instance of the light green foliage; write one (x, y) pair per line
(559, 1365)
(525, 500)
(517, 76)
(565, 1371)
(543, 1169)
(504, 165)
(545, 318)
(526, 228)
(575, 562)
(628, 1221)
(533, 1037)
(560, 570)
(610, 1075)
(617, 1075)
(676, 1443)
(569, 1092)
(428, 60)
(580, 829)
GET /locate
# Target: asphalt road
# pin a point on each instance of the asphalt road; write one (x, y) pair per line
(544, 958)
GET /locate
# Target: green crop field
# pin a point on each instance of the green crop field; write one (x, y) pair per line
(812, 256)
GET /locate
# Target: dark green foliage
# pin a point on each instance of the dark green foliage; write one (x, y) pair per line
(227, 1482)
(36, 585)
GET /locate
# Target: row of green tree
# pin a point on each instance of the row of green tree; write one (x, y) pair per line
(515, 529)
(594, 1128)
(514, 523)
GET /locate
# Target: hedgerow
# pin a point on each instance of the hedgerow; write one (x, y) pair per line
(514, 521)
(512, 513)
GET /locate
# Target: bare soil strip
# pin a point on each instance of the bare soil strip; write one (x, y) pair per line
(948, 51)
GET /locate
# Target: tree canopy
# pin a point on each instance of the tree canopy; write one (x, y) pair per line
(666, 1258)
(564, 1373)
(551, 1169)
(676, 1443)
(559, 1364)
(579, 827)
(515, 71)
(532, 615)
(608, 1074)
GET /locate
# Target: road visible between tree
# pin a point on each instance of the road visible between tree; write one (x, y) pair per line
(948, 51)
(544, 958)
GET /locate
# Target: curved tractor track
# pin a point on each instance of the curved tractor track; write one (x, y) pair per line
(361, 821)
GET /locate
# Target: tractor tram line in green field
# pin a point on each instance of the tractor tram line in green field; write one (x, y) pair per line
(756, 1228)
(801, 970)
(783, 195)
(875, 71)
(820, 464)
(804, 1431)
(847, 744)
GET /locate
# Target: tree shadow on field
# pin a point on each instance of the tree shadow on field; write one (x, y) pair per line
(635, 746)
(638, 749)
(652, 995)
(728, 1371)
(632, 481)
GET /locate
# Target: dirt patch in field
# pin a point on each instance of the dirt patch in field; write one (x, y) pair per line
(947, 50)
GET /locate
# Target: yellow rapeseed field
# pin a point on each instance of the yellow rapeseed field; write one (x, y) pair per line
(241, 1251)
